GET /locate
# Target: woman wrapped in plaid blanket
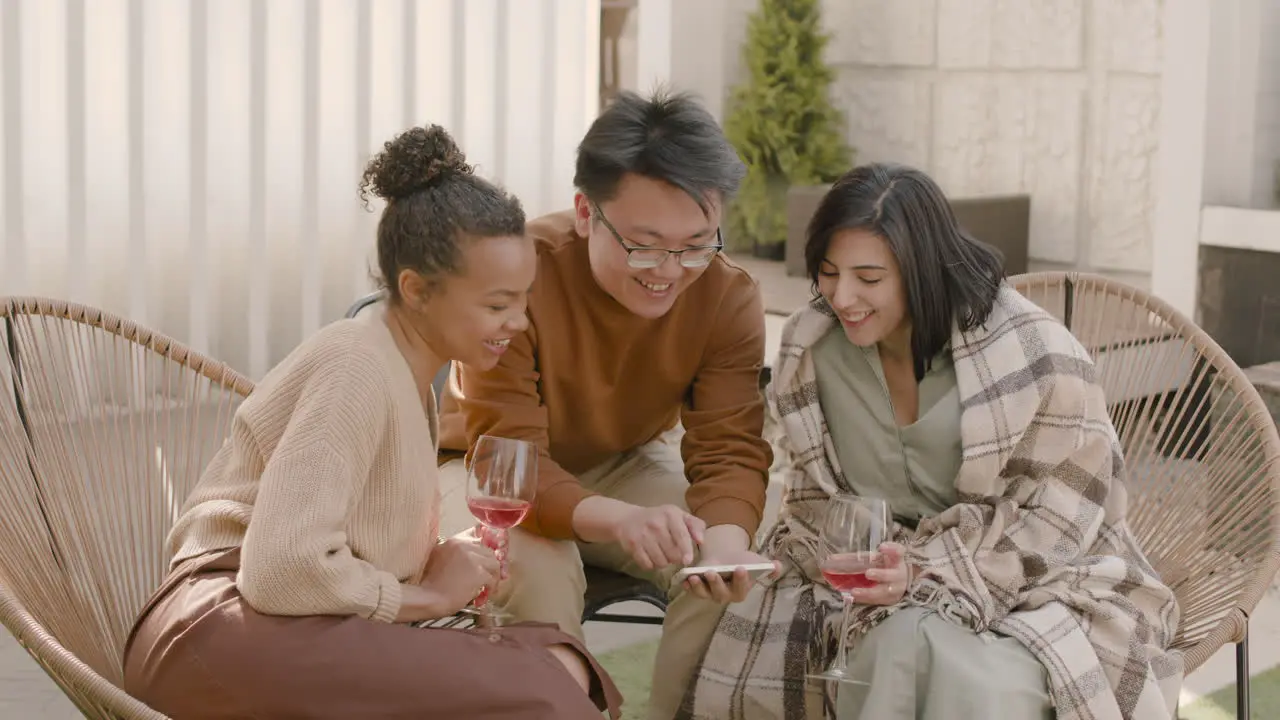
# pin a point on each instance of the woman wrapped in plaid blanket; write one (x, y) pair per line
(1015, 588)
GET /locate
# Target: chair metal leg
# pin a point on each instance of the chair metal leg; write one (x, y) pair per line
(594, 612)
(627, 619)
(1242, 676)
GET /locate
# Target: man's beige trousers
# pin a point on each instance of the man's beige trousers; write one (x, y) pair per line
(547, 584)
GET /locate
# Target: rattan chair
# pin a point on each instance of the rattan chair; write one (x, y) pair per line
(105, 427)
(1201, 451)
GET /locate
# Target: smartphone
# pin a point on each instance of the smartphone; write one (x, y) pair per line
(754, 571)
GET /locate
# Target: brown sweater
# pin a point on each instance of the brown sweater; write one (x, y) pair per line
(589, 379)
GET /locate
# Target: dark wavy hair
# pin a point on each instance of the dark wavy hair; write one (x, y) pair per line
(951, 278)
(668, 136)
(434, 202)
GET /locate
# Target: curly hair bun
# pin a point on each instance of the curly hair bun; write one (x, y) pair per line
(413, 161)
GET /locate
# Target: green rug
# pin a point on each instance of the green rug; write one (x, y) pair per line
(631, 667)
(1221, 705)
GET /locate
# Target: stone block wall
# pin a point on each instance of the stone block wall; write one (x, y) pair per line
(1266, 122)
(1242, 151)
(1059, 99)
(1055, 98)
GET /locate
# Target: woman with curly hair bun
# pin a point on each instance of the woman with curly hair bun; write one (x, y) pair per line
(308, 553)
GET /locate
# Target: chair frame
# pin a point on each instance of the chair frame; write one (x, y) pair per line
(1234, 627)
(92, 694)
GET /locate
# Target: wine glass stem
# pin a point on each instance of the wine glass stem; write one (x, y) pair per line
(501, 539)
(496, 540)
(839, 664)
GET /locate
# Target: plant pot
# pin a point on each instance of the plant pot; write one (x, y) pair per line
(769, 251)
(801, 202)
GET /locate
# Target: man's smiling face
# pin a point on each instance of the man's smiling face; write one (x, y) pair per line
(648, 213)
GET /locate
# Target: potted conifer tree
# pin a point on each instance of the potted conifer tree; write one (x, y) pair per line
(782, 121)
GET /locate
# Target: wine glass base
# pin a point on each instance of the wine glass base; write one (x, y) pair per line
(486, 617)
(836, 676)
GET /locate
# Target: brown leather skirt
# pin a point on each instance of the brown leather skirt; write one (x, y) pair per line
(199, 651)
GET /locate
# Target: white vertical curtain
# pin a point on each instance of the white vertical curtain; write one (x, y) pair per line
(194, 164)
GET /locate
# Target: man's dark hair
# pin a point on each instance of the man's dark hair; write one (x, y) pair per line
(668, 137)
(951, 278)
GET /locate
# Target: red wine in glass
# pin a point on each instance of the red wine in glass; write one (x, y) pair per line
(848, 546)
(846, 572)
(501, 482)
(499, 513)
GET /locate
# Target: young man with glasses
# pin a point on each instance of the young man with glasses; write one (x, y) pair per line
(639, 379)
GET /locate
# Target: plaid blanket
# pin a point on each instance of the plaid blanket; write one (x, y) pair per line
(1037, 547)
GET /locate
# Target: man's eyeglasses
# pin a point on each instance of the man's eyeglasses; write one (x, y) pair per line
(650, 257)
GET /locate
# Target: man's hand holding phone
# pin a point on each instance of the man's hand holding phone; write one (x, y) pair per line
(727, 569)
(728, 582)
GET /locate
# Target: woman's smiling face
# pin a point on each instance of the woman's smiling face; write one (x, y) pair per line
(861, 281)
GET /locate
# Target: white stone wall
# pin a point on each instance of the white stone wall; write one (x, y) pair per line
(1242, 144)
(1266, 155)
(1056, 98)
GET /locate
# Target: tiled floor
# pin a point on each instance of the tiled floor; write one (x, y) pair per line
(25, 691)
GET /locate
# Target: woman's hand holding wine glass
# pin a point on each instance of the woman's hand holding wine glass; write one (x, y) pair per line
(852, 549)
(457, 570)
(887, 578)
(501, 483)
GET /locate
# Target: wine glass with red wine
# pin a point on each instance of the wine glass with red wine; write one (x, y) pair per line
(501, 482)
(848, 546)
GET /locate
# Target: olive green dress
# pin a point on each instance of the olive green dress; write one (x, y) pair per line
(918, 665)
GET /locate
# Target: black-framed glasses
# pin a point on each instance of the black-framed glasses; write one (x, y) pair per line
(651, 257)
